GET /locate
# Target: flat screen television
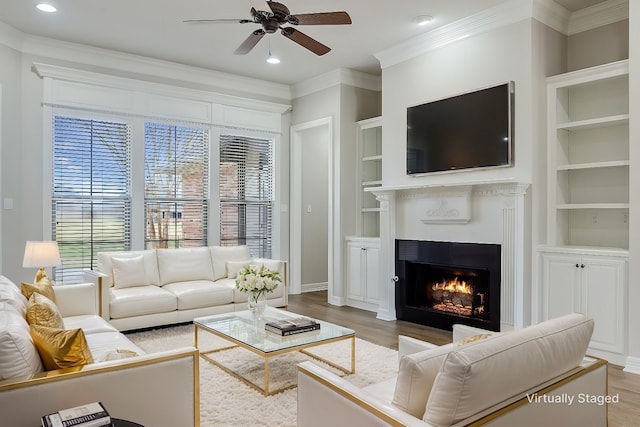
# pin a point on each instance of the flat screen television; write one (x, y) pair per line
(467, 131)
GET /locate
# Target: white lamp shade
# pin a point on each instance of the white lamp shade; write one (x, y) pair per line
(41, 254)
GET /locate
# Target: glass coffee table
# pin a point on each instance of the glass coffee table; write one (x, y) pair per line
(245, 331)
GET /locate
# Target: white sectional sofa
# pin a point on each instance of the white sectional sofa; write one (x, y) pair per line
(537, 376)
(159, 389)
(141, 289)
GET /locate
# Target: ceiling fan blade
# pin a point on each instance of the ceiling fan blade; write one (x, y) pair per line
(261, 6)
(216, 21)
(250, 42)
(305, 41)
(323, 18)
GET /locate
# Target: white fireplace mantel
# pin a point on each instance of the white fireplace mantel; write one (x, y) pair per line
(451, 205)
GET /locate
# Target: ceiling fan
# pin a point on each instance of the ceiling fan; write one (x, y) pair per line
(272, 15)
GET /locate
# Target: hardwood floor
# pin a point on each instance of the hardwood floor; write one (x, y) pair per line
(626, 413)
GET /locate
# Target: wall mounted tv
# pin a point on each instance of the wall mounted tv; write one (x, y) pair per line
(472, 130)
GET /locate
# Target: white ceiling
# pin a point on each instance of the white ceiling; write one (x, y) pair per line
(154, 28)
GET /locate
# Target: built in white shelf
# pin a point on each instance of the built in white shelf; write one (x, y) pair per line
(610, 164)
(371, 183)
(616, 120)
(370, 210)
(371, 158)
(593, 206)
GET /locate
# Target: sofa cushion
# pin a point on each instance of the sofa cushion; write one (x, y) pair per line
(485, 373)
(184, 264)
(221, 254)
(129, 272)
(18, 355)
(10, 293)
(43, 287)
(234, 267)
(141, 300)
(44, 312)
(200, 293)
(105, 265)
(90, 324)
(104, 344)
(61, 348)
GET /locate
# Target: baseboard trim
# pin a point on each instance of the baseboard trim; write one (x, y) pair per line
(633, 365)
(313, 287)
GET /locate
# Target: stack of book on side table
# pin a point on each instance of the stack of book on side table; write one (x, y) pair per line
(89, 415)
(295, 325)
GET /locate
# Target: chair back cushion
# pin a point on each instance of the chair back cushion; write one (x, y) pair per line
(105, 266)
(184, 265)
(476, 377)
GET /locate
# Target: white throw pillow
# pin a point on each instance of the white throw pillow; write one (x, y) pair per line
(271, 264)
(18, 354)
(234, 267)
(415, 378)
(10, 293)
(129, 272)
(221, 254)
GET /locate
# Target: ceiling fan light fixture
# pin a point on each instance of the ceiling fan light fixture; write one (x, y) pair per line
(272, 59)
(423, 20)
(46, 7)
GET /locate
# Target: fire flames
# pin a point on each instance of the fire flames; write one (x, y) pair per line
(456, 296)
(455, 285)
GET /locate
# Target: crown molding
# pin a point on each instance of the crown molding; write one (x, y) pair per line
(604, 13)
(503, 14)
(11, 37)
(140, 66)
(336, 77)
(547, 12)
(105, 80)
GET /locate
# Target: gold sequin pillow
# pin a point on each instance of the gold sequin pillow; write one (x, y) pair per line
(43, 287)
(61, 348)
(43, 312)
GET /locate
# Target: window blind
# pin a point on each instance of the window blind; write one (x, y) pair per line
(246, 193)
(91, 203)
(176, 185)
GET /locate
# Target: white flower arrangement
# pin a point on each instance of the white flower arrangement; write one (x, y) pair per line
(257, 281)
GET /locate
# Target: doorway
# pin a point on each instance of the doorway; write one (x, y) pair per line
(311, 206)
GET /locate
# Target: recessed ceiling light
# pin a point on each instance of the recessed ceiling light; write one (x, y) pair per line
(273, 60)
(46, 7)
(423, 19)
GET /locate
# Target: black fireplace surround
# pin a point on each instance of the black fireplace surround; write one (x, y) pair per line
(443, 283)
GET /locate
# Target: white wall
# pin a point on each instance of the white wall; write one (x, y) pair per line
(479, 61)
(12, 174)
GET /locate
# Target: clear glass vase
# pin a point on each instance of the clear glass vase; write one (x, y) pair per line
(257, 304)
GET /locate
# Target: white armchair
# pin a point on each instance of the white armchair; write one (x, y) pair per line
(485, 382)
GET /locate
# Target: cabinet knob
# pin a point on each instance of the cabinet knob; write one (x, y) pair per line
(581, 265)
(395, 279)
(577, 265)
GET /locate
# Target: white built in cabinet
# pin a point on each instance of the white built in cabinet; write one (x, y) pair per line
(363, 284)
(369, 172)
(592, 282)
(584, 264)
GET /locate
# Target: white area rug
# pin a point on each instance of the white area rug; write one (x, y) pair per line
(227, 401)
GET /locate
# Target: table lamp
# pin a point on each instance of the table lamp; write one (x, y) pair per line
(41, 255)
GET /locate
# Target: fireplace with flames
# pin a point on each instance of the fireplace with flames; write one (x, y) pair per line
(442, 283)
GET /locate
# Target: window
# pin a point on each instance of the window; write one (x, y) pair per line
(246, 193)
(91, 202)
(176, 189)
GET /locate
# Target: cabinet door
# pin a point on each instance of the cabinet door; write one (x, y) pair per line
(355, 282)
(560, 285)
(603, 300)
(371, 276)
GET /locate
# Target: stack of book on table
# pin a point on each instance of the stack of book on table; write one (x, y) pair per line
(295, 325)
(89, 415)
